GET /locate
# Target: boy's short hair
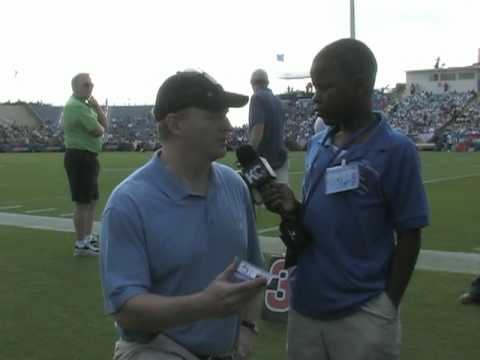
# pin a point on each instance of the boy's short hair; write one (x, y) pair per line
(353, 58)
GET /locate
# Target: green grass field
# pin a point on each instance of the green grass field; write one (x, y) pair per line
(51, 306)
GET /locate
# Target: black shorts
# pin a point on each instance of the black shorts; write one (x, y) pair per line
(82, 169)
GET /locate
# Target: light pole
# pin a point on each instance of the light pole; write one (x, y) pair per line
(352, 19)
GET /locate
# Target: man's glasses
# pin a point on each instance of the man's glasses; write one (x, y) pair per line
(87, 85)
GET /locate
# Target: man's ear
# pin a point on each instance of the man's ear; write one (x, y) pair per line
(174, 122)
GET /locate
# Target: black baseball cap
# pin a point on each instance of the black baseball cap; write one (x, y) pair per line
(193, 89)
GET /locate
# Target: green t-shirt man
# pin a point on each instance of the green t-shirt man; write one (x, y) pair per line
(78, 120)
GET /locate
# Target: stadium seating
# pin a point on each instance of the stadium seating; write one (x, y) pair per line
(418, 115)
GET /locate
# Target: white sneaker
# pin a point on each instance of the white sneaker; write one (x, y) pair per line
(94, 241)
(85, 249)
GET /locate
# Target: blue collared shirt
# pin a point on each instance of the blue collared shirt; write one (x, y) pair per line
(266, 109)
(354, 231)
(159, 238)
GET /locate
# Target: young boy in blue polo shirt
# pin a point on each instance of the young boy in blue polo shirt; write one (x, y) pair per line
(363, 208)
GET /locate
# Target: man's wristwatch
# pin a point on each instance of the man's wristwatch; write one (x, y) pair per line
(250, 325)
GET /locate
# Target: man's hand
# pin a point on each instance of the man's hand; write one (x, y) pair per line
(403, 262)
(153, 313)
(93, 102)
(223, 297)
(246, 343)
(279, 198)
(102, 118)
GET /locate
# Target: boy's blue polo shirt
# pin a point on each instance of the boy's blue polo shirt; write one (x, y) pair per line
(353, 231)
(159, 238)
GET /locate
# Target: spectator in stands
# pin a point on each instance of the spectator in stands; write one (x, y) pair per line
(351, 276)
(266, 125)
(449, 142)
(84, 123)
(167, 280)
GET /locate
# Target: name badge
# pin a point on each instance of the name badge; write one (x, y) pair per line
(341, 178)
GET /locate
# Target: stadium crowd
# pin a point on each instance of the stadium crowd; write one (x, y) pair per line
(417, 115)
(421, 114)
(12, 134)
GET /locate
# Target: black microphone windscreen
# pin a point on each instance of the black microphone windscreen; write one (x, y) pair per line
(246, 155)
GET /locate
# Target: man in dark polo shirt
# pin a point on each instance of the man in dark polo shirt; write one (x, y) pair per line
(84, 124)
(266, 123)
(363, 209)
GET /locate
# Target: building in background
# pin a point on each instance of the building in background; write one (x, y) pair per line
(440, 79)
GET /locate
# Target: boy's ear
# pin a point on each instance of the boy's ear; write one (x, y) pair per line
(361, 85)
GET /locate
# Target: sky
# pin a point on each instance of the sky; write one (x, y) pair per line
(131, 47)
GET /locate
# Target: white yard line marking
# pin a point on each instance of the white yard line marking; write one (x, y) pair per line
(457, 262)
(296, 172)
(266, 230)
(35, 211)
(11, 207)
(450, 178)
(40, 222)
(66, 214)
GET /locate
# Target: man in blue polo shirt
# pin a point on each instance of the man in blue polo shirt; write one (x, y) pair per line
(363, 208)
(266, 122)
(171, 232)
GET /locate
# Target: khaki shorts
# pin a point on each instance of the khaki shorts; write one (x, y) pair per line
(160, 348)
(132, 351)
(372, 333)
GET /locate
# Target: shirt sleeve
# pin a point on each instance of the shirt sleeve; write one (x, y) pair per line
(404, 189)
(124, 266)
(87, 117)
(257, 112)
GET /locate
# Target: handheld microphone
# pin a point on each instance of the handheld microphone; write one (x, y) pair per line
(255, 171)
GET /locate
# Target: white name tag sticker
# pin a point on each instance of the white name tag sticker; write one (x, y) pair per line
(341, 178)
